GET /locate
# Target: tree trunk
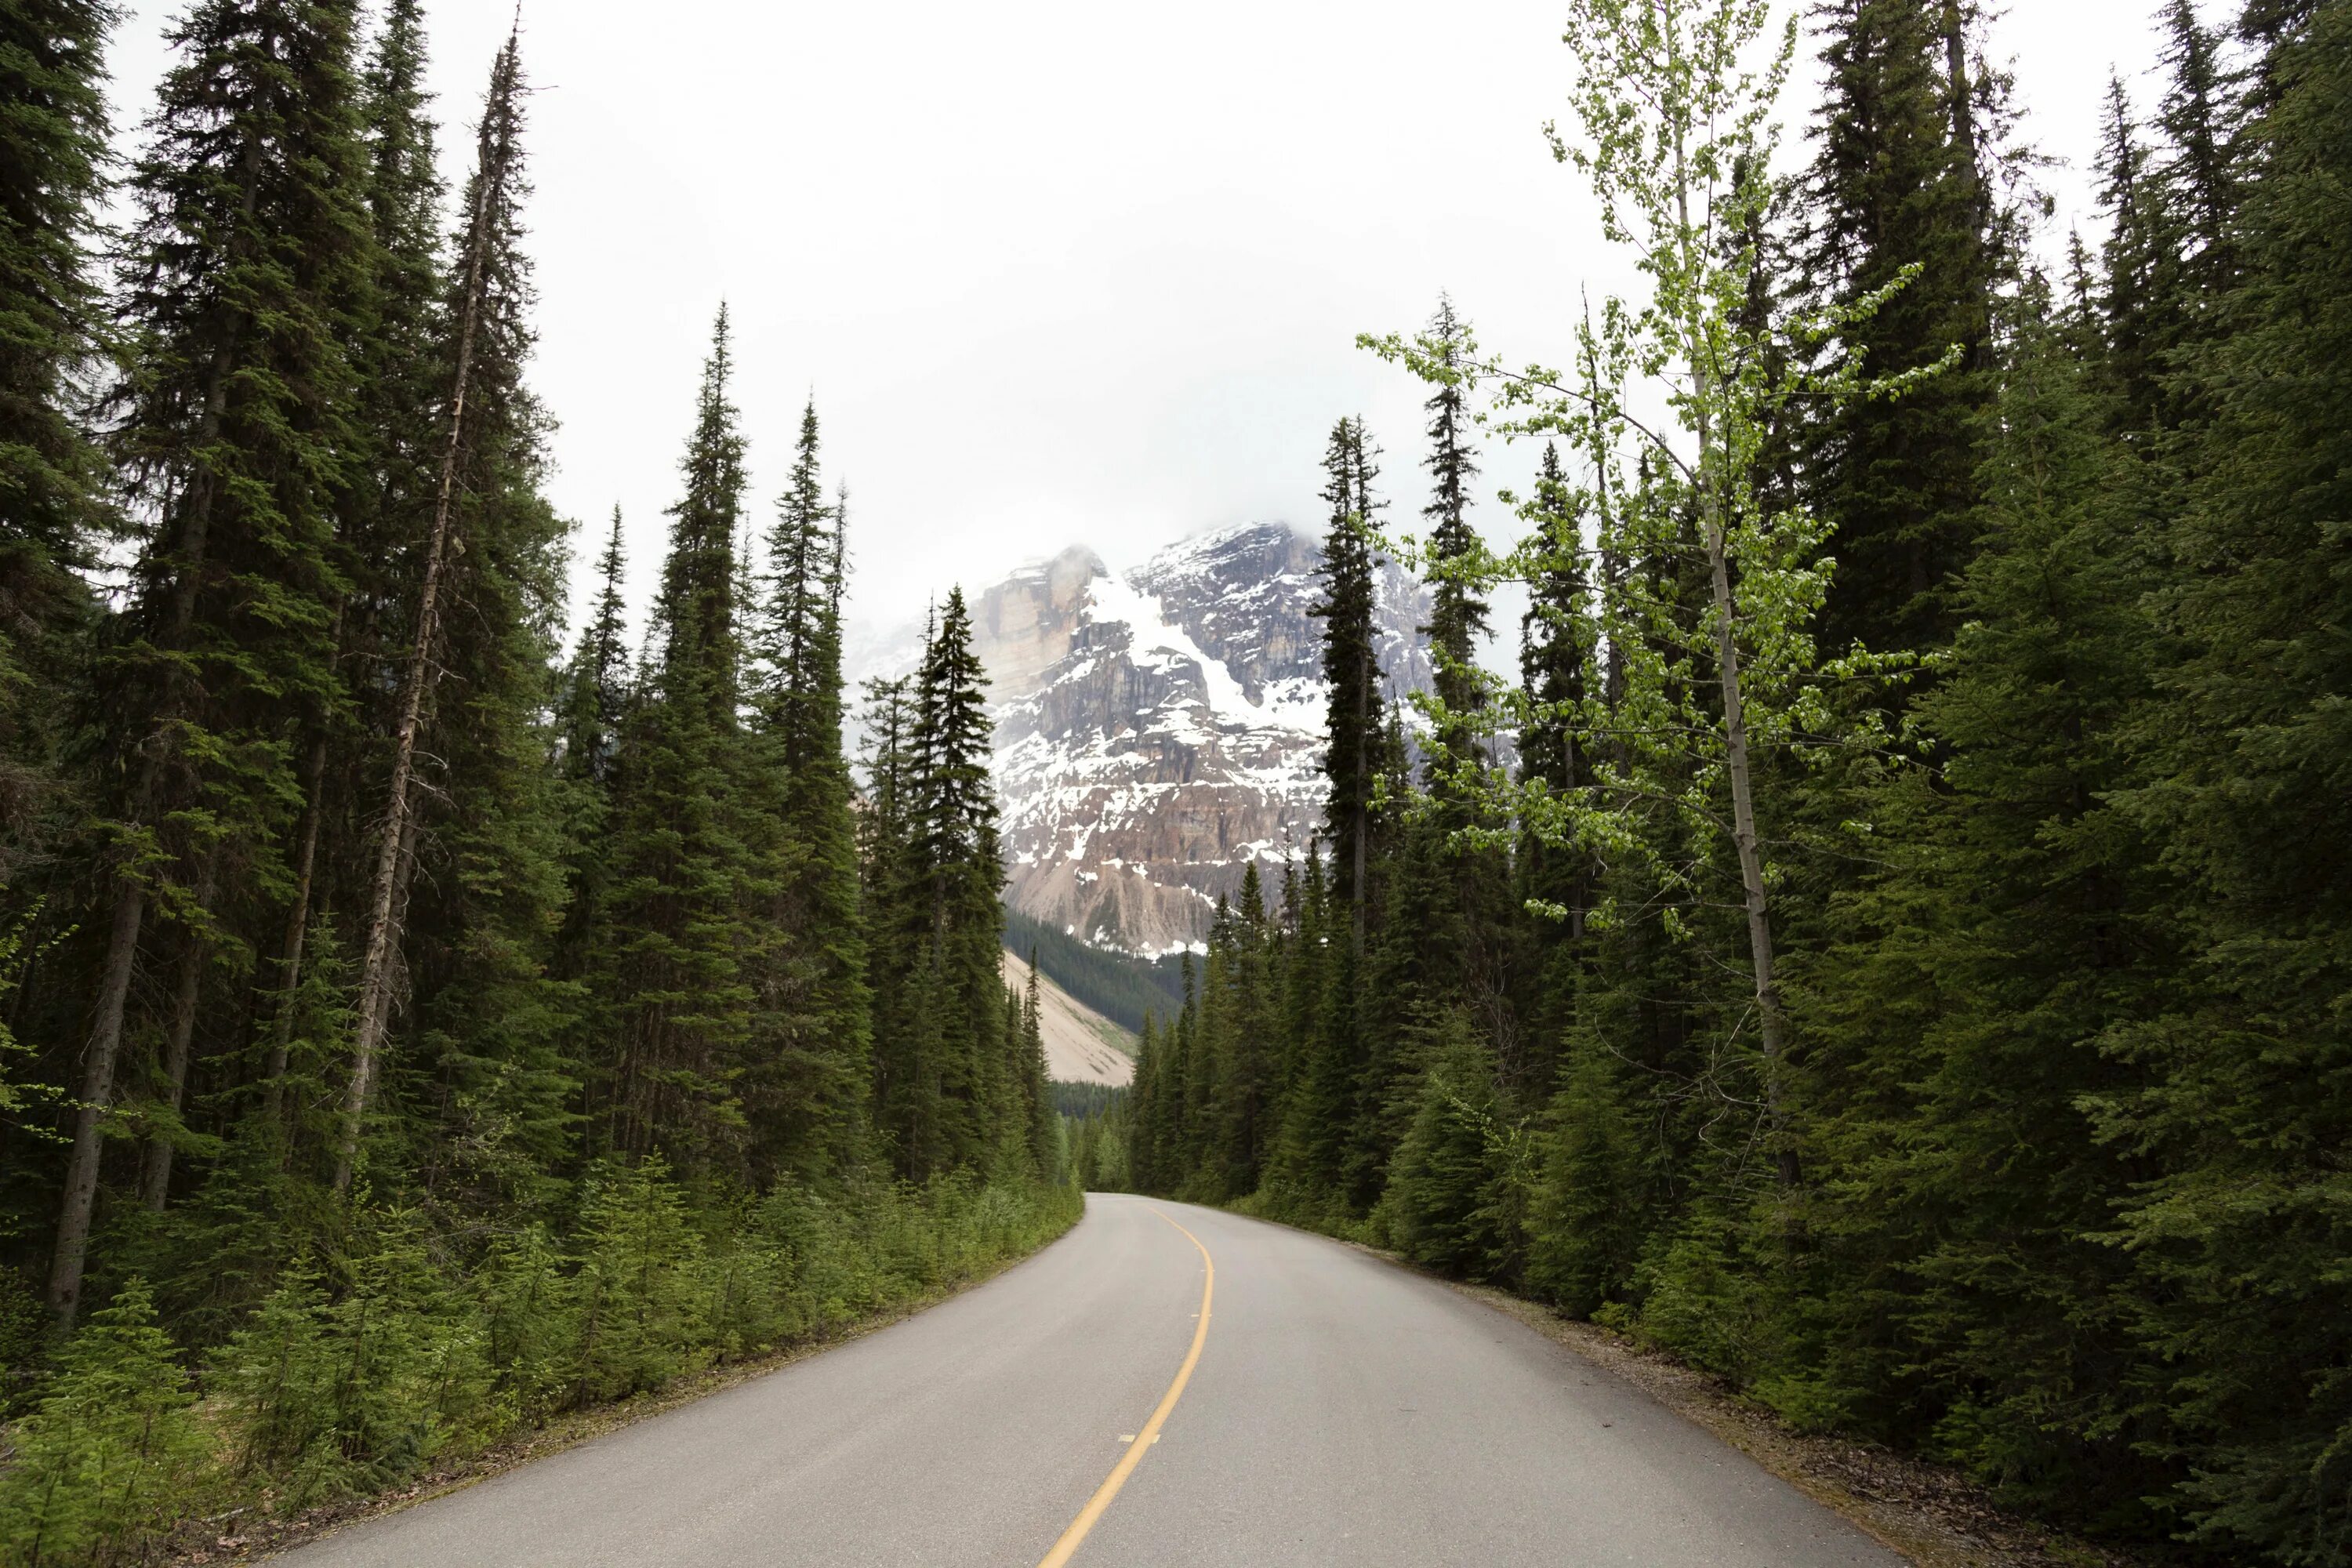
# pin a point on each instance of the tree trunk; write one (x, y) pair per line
(187, 990)
(129, 913)
(97, 1098)
(298, 936)
(1755, 896)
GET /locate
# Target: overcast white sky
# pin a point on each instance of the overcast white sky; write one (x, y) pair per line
(1056, 270)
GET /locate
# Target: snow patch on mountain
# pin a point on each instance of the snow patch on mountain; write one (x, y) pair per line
(1161, 731)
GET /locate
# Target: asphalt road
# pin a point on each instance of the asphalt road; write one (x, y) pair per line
(1338, 1411)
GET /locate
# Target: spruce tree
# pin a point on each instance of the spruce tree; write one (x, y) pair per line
(959, 876)
(398, 356)
(1898, 182)
(597, 686)
(1458, 614)
(596, 690)
(2136, 337)
(247, 252)
(113, 1456)
(906, 1074)
(496, 1076)
(1955, 1029)
(2238, 1232)
(1558, 646)
(490, 335)
(806, 1094)
(1351, 667)
(675, 1002)
(52, 105)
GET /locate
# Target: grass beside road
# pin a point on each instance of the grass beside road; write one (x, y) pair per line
(127, 1457)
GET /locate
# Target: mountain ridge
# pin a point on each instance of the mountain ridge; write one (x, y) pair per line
(1160, 729)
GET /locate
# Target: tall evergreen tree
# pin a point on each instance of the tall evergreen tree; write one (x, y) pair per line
(1458, 614)
(495, 1083)
(52, 105)
(960, 876)
(490, 335)
(1898, 182)
(668, 955)
(248, 254)
(1352, 671)
(597, 686)
(1956, 1031)
(806, 1094)
(2241, 1229)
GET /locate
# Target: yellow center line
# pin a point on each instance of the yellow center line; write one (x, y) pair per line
(1093, 1511)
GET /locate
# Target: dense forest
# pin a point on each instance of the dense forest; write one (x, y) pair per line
(411, 1027)
(1903, 961)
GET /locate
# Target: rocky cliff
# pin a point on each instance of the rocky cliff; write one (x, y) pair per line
(1158, 731)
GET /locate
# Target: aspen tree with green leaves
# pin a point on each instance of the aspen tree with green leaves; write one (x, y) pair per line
(1670, 409)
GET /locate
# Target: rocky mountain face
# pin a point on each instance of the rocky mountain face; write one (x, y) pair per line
(1159, 731)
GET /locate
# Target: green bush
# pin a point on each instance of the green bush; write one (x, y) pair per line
(643, 1291)
(356, 1375)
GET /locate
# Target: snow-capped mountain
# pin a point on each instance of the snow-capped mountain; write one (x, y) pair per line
(1156, 732)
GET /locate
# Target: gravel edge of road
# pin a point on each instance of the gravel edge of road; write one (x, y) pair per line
(275, 1537)
(1928, 1513)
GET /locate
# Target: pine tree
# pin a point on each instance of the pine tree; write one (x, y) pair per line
(398, 359)
(248, 253)
(2240, 1232)
(1559, 646)
(807, 1095)
(960, 876)
(1458, 614)
(1956, 1031)
(496, 1075)
(906, 1095)
(113, 1456)
(2135, 338)
(2196, 118)
(597, 686)
(1351, 667)
(51, 102)
(1898, 182)
(668, 947)
(1043, 1124)
(490, 334)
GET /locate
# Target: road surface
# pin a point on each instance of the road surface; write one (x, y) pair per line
(1330, 1410)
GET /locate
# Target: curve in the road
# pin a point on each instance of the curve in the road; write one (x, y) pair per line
(1346, 1414)
(1084, 1524)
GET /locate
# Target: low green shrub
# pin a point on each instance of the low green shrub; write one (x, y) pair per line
(356, 1375)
